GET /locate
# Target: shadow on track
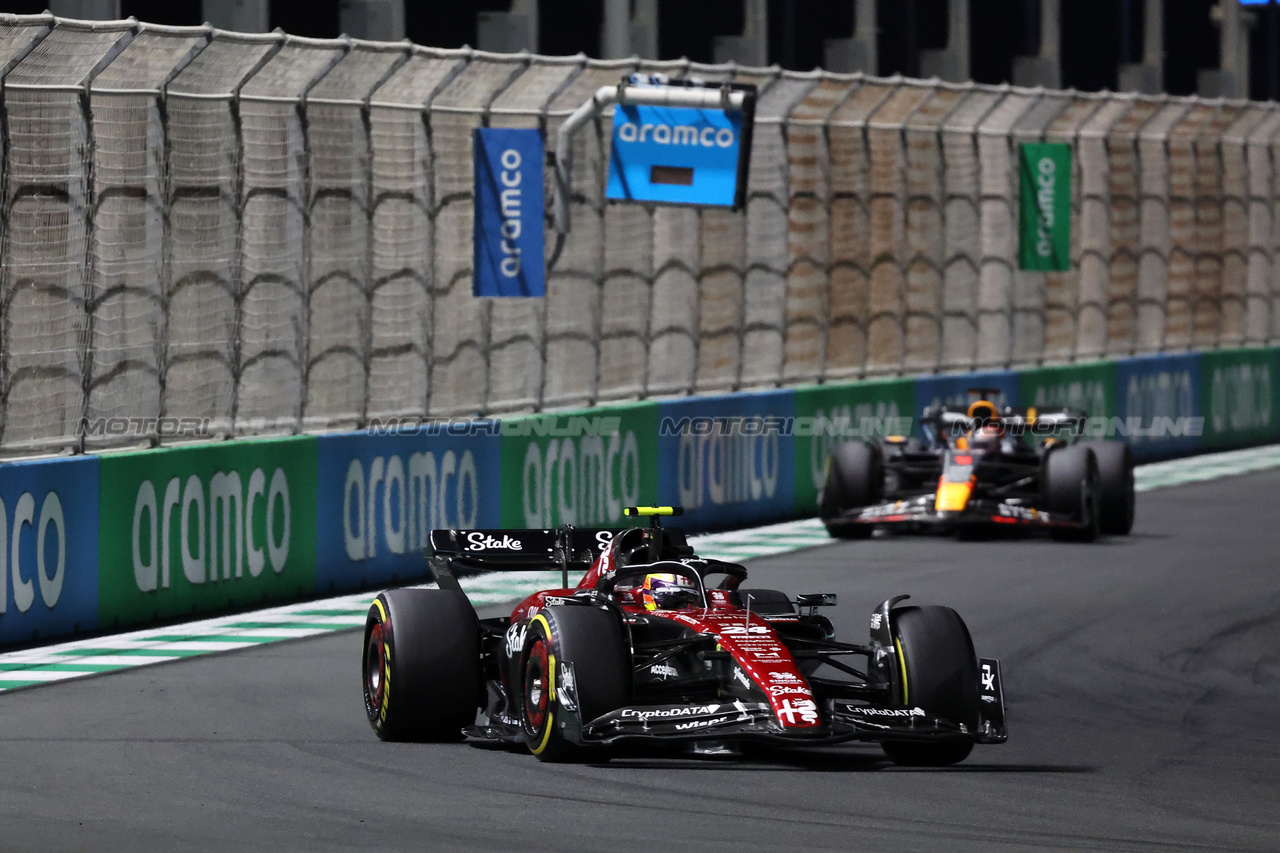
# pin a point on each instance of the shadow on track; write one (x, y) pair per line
(763, 759)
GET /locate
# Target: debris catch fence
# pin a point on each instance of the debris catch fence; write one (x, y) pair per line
(274, 234)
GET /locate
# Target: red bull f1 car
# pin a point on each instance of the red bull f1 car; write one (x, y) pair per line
(657, 644)
(979, 470)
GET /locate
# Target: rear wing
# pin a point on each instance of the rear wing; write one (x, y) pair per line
(515, 550)
(1016, 420)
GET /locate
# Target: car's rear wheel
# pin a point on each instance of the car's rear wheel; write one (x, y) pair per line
(421, 666)
(939, 674)
(592, 639)
(1071, 489)
(1115, 486)
(855, 478)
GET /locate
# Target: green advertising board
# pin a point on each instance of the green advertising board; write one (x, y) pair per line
(1090, 386)
(1045, 223)
(579, 468)
(827, 414)
(1240, 393)
(206, 527)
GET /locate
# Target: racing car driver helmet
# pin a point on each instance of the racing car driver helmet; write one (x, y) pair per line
(988, 436)
(988, 430)
(662, 591)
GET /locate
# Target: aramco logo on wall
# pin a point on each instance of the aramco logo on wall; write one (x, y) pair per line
(585, 482)
(227, 529)
(1045, 222)
(391, 505)
(43, 524)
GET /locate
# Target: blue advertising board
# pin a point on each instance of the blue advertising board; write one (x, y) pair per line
(48, 548)
(508, 237)
(1160, 410)
(728, 460)
(378, 496)
(675, 155)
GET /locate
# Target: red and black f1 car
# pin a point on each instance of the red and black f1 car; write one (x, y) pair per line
(657, 643)
(980, 470)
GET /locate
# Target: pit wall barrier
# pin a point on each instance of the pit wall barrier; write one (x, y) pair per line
(95, 543)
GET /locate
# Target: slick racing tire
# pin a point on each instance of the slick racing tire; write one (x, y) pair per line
(592, 639)
(939, 674)
(1071, 488)
(421, 672)
(855, 477)
(1115, 486)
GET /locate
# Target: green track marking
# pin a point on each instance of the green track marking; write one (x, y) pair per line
(59, 667)
(79, 658)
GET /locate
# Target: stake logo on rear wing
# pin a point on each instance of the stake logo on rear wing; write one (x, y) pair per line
(514, 551)
(536, 550)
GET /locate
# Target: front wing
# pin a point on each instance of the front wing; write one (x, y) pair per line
(739, 720)
(919, 512)
(755, 721)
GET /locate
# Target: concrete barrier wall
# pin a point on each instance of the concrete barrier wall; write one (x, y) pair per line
(95, 543)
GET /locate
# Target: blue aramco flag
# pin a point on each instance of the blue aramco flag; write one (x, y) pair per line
(676, 155)
(508, 214)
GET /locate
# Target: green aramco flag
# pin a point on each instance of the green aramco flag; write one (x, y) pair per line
(1046, 206)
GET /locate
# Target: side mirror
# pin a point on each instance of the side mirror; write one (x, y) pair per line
(816, 599)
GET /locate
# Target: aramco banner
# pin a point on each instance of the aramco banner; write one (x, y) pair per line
(1045, 230)
(508, 214)
(48, 548)
(206, 527)
(380, 495)
(676, 155)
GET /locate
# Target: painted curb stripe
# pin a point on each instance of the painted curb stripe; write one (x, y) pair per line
(80, 658)
(1196, 469)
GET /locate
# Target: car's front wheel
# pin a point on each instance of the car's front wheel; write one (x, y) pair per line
(1071, 489)
(1115, 486)
(588, 642)
(938, 672)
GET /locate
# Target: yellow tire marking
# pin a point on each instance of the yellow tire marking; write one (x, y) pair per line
(902, 665)
(549, 690)
(386, 665)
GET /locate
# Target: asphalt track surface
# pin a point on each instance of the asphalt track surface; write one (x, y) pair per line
(1142, 678)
